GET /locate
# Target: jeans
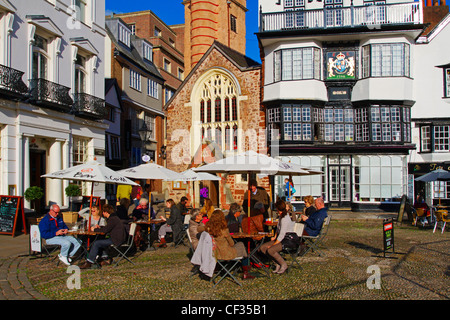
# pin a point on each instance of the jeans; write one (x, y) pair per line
(97, 248)
(69, 245)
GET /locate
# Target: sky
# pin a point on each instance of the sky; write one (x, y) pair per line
(172, 12)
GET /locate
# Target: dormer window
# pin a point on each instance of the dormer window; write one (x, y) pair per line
(124, 35)
(147, 51)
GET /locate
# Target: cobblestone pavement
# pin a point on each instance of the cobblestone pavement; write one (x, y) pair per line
(16, 285)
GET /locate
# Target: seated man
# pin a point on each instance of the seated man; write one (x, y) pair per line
(233, 218)
(117, 235)
(54, 231)
(313, 223)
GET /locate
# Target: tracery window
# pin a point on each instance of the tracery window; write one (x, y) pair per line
(218, 109)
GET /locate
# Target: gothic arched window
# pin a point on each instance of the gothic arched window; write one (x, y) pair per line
(218, 111)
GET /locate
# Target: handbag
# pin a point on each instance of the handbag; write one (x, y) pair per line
(290, 241)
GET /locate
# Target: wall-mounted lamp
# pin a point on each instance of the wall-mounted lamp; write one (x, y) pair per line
(162, 153)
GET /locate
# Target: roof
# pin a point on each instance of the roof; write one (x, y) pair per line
(241, 61)
(132, 55)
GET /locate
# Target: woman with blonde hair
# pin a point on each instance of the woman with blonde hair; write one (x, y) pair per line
(309, 206)
(226, 248)
(207, 209)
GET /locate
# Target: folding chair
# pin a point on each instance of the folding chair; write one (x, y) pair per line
(184, 232)
(124, 248)
(191, 247)
(226, 268)
(313, 243)
(295, 253)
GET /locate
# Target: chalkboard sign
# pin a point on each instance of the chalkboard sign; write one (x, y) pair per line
(11, 208)
(388, 235)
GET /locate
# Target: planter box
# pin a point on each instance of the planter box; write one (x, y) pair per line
(70, 217)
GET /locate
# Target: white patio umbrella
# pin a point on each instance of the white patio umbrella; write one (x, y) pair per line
(91, 171)
(151, 171)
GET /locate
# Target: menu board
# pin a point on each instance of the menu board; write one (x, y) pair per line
(11, 207)
(388, 235)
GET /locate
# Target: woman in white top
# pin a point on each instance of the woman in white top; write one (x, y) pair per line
(96, 217)
(273, 247)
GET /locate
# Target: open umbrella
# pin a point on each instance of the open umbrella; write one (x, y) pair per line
(151, 171)
(435, 175)
(91, 171)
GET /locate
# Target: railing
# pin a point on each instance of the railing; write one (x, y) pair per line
(371, 16)
(89, 106)
(11, 80)
(50, 94)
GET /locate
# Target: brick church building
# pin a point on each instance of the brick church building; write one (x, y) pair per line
(216, 112)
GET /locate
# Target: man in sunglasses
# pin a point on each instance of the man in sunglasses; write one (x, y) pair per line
(54, 231)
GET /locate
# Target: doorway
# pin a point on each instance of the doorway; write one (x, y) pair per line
(339, 180)
(37, 168)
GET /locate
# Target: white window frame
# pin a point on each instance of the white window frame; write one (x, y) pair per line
(135, 80)
(124, 34)
(152, 89)
(147, 51)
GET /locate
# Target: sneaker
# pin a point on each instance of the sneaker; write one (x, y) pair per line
(64, 260)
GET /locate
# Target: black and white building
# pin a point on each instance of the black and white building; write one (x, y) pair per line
(339, 92)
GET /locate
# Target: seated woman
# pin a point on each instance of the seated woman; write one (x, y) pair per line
(233, 217)
(96, 216)
(273, 247)
(122, 209)
(309, 208)
(194, 223)
(226, 248)
(207, 209)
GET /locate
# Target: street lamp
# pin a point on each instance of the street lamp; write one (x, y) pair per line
(145, 134)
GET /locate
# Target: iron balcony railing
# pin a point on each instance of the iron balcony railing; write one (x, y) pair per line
(372, 16)
(11, 81)
(50, 94)
(89, 106)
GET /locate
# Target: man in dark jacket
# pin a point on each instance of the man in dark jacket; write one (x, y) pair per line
(313, 223)
(117, 235)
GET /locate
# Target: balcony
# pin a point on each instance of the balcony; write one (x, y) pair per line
(372, 17)
(51, 95)
(88, 106)
(11, 83)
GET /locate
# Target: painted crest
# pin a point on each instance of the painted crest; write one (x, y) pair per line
(341, 65)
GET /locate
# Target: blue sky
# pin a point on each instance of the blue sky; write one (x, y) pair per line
(172, 12)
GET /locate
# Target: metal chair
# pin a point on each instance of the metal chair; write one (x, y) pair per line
(184, 232)
(226, 268)
(441, 217)
(295, 253)
(124, 248)
(313, 243)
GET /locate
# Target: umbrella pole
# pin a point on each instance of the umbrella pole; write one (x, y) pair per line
(90, 212)
(248, 212)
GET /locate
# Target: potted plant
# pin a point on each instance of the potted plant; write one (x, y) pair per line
(32, 194)
(72, 190)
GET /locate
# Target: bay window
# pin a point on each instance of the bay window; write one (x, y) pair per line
(297, 64)
(386, 60)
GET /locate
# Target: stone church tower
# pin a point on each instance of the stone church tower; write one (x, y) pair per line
(206, 21)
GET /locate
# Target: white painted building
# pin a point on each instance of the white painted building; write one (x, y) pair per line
(51, 92)
(339, 90)
(431, 112)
